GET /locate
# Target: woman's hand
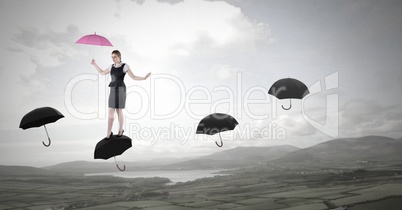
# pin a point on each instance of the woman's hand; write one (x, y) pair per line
(130, 73)
(146, 76)
(103, 72)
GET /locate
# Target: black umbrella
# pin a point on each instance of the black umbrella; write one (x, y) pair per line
(288, 88)
(40, 116)
(115, 145)
(216, 123)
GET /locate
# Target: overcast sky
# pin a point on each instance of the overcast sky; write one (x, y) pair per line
(205, 57)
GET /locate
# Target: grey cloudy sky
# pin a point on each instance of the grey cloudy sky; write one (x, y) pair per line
(205, 57)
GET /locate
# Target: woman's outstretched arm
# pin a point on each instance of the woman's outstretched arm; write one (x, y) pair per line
(103, 72)
(131, 74)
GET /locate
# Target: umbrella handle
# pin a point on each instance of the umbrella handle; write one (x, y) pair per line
(289, 106)
(124, 167)
(44, 144)
(118, 167)
(221, 141)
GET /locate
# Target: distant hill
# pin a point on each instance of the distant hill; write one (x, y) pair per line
(237, 157)
(253, 153)
(78, 166)
(25, 171)
(109, 166)
(95, 167)
(225, 159)
(369, 148)
(341, 152)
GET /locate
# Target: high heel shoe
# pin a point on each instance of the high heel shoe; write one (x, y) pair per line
(111, 134)
(119, 135)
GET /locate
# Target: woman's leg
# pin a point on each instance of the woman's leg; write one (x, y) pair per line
(121, 119)
(110, 121)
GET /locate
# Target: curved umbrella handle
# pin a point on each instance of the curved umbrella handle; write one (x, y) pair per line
(118, 167)
(46, 145)
(289, 106)
(221, 141)
(124, 167)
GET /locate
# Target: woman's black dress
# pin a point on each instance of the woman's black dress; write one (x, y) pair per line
(117, 97)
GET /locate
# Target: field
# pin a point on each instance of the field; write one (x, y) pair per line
(252, 188)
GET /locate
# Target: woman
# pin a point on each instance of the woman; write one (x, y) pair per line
(117, 97)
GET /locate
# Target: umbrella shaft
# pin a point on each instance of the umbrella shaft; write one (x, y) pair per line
(46, 131)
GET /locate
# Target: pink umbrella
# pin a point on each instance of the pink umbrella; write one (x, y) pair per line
(94, 39)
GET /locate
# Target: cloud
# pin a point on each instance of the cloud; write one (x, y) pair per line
(46, 48)
(44, 61)
(296, 125)
(223, 72)
(38, 57)
(171, 2)
(367, 117)
(193, 40)
(191, 27)
(140, 2)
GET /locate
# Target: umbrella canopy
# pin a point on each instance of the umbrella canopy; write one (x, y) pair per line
(40, 117)
(94, 39)
(216, 123)
(114, 146)
(288, 88)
